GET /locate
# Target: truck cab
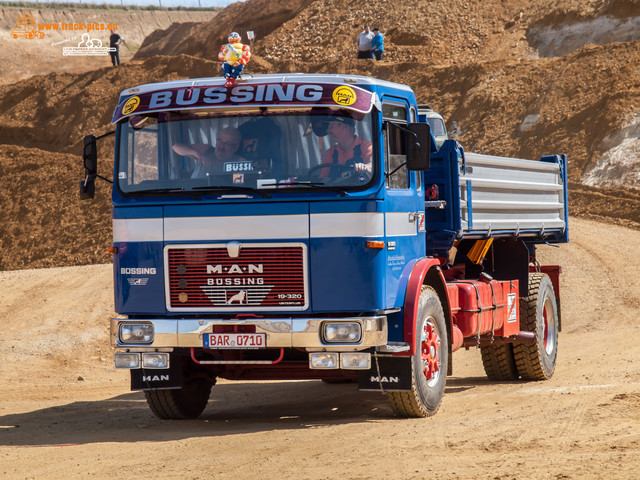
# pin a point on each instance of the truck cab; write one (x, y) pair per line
(436, 122)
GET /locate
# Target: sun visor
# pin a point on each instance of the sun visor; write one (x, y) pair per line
(297, 95)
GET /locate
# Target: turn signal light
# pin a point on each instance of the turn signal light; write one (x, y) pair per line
(375, 244)
(112, 250)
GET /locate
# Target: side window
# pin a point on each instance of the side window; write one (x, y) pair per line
(395, 144)
(141, 145)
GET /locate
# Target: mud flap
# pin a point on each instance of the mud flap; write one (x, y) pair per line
(395, 375)
(158, 379)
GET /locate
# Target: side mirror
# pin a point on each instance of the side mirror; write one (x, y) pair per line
(90, 156)
(90, 162)
(419, 146)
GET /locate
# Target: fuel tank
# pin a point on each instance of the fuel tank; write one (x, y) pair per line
(480, 307)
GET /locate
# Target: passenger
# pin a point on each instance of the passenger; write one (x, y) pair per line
(211, 160)
(348, 149)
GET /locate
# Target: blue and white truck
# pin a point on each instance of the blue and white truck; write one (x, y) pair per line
(303, 226)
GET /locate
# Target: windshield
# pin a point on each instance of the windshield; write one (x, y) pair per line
(319, 148)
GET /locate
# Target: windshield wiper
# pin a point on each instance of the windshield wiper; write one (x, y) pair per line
(314, 185)
(232, 189)
(168, 190)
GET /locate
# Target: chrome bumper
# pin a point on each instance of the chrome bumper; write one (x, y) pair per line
(281, 332)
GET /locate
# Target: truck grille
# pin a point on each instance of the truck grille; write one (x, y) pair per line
(261, 277)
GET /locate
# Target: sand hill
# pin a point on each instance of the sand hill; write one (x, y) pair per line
(521, 78)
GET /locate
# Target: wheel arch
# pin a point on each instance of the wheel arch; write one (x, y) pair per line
(426, 271)
(553, 272)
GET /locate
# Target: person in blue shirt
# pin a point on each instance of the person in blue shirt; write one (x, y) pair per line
(377, 44)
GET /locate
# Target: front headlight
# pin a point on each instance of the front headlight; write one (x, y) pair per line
(341, 332)
(136, 333)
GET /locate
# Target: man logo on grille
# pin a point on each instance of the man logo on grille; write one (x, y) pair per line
(239, 297)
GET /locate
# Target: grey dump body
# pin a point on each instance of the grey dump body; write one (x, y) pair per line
(483, 196)
(508, 194)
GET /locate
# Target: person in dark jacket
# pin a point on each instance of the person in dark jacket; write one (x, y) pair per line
(114, 42)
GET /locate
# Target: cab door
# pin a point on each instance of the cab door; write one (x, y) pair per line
(404, 201)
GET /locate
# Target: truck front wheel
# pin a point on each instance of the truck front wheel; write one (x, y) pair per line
(539, 314)
(428, 364)
(181, 403)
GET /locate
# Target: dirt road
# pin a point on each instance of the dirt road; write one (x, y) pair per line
(65, 413)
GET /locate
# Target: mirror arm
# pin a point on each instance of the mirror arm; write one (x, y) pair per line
(106, 134)
(404, 129)
(104, 178)
(97, 174)
(395, 169)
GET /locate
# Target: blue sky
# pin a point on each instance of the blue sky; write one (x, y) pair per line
(165, 3)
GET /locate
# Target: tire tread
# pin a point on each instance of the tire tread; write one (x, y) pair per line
(179, 404)
(499, 362)
(527, 355)
(407, 404)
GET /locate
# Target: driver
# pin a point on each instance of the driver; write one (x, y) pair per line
(211, 160)
(348, 148)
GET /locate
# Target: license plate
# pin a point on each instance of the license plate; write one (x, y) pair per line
(235, 340)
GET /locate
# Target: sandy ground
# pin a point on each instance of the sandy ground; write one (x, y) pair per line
(66, 413)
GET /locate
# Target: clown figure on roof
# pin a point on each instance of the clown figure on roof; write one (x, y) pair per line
(234, 56)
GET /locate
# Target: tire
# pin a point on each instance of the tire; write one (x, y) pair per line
(180, 404)
(499, 362)
(428, 364)
(539, 314)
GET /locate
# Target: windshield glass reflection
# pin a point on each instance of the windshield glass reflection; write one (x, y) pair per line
(172, 152)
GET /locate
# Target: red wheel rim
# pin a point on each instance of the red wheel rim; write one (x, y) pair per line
(549, 327)
(429, 349)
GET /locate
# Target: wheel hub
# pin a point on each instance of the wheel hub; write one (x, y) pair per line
(548, 327)
(429, 348)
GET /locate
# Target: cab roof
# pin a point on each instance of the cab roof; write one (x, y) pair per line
(247, 79)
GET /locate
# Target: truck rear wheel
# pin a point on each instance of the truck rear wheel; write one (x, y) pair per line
(499, 362)
(539, 314)
(428, 364)
(182, 403)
